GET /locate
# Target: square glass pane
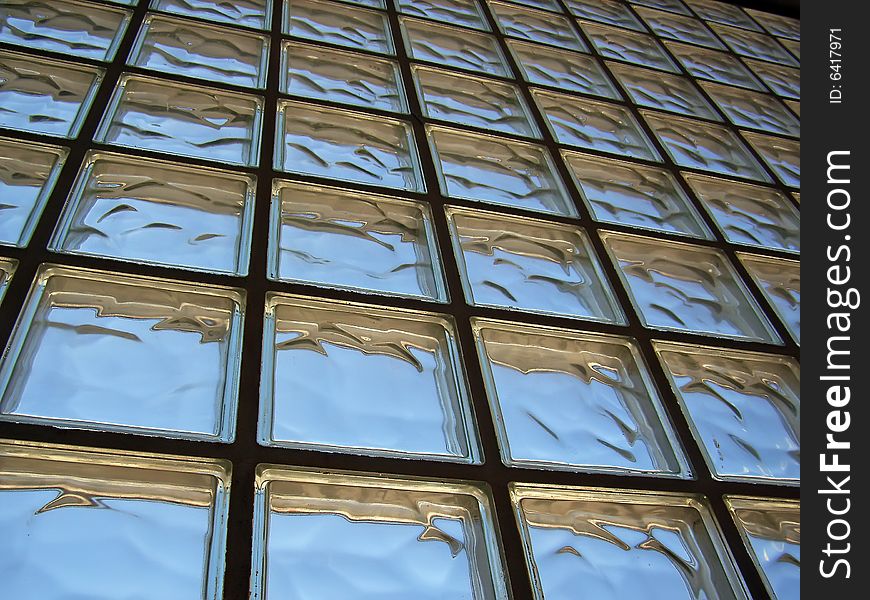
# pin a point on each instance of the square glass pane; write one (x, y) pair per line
(474, 101)
(754, 45)
(355, 378)
(333, 534)
(663, 91)
(7, 270)
(778, 25)
(95, 350)
(783, 156)
(105, 524)
(453, 47)
(466, 13)
(28, 172)
(45, 96)
(536, 26)
(337, 238)
(610, 12)
(160, 213)
(628, 46)
(722, 12)
(682, 287)
(66, 26)
(183, 119)
(780, 280)
(595, 125)
(634, 195)
(676, 6)
(782, 81)
(209, 52)
(248, 13)
(575, 402)
(679, 27)
(568, 71)
(713, 65)
(751, 109)
(594, 544)
(530, 265)
(346, 77)
(338, 24)
(347, 146)
(743, 409)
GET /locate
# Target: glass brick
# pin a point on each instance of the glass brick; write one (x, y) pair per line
(536, 26)
(771, 531)
(568, 71)
(754, 45)
(792, 46)
(795, 106)
(453, 47)
(247, 13)
(595, 544)
(722, 12)
(575, 402)
(634, 195)
(628, 46)
(101, 524)
(333, 534)
(682, 287)
(183, 119)
(751, 109)
(780, 280)
(64, 26)
(339, 24)
(782, 80)
(96, 350)
(663, 91)
(679, 27)
(675, 6)
(782, 155)
(355, 378)
(155, 212)
(347, 146)
(7, 270)
(609, 12)
(28, 172)
(778, 25)
(749, 214)
(474, 101)
(530, 265)
(369, 3)
(212, 53)
(449, 12)
(338, 238)
(499, 171)
(743, 409)
(713, 65)
(542, 4)
(45, 96)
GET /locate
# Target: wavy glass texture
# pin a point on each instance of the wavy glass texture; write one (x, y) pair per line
(28, 172)
(782, 155)
(598, 125)
(575, 402)
(676, 6)
(568, 71)
(536, 26)
(450, 12)
(529, 265)
(634, 195)
(780, 280)
(498, 171)
(453, 47)
(45, 96)
(543, 4)
(610, 12)
(681, 287)
(713, 65)
(96, 350)
(749, 214)
(347, 146)
(212, 53)
(679, 27)
(795, 106)
(345, 77)
(248, 13)
(751, 109)
(771, 531)
(159, 213)
(628, 46)
(754, 45)
(782, 80)
(104, 524)
(743, 409)
(777, 25)
(704, 146)
(622, 545)
(333, 534)
(65, 26)
(655, 89)
(337, 238)
(7, 270)
(473, 101)
(792, 46)
(722, 12)
(339, 24)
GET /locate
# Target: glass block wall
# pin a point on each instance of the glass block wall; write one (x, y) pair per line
(399, 299)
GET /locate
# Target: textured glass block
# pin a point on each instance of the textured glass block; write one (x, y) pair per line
(346, 77)
(543, 4)
(212, 53)
(183, 119)
(751, 109)
(780, 280)
(682, 287)
(783, 156)
(749, 214)
(595, 544)
(344, 377)
(722, 12)
(743, 409)
(155, 212)
(530, 265)
(575, 402)
(567, 71)
(771, 530)
(105, 524)
(28, 172)
(536, 26)
(795, 106)
(634, 195)
(453, 47)
(7, 270)
(676, 6)
(474, 101)
(450, 12)
(663, 91)
(45, 96)
(333, 534)
(248, 13)
(337, 238)
(754, 45)
(628, 46)
(716, 66)
(610, 12)
(499, 171)
(65, 26)
(347, 146)
(778, 25)
(782, 81)
(369, 3)
(792, 46)
(704, 146)
(338, 24)
(679, 27)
